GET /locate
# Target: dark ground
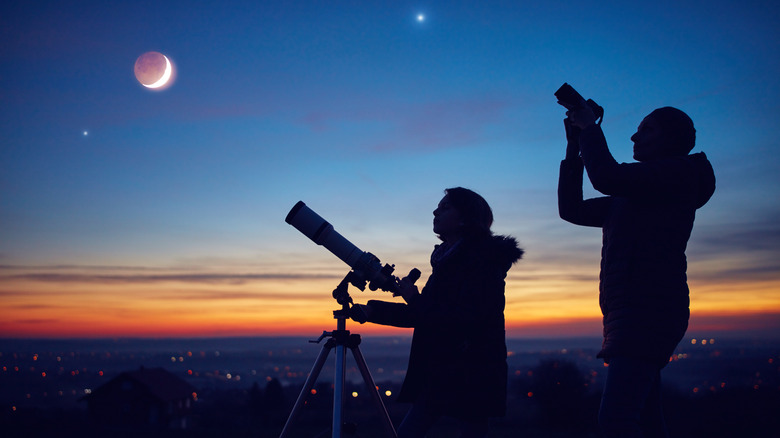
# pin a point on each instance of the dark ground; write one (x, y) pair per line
(561, 406)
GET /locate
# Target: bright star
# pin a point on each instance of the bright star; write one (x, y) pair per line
(420, 18)
(86, 133)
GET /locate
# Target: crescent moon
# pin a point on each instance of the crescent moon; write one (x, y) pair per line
(164, 78)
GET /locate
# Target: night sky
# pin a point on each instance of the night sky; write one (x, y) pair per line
(126, 211)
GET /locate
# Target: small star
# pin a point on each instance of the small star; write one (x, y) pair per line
(420, 18)
(86, 133)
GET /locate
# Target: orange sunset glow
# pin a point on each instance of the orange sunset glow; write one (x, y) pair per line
(540, 303)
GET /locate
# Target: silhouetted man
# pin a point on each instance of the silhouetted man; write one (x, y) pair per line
(646, 219)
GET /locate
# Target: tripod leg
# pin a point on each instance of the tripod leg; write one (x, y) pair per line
(339, 390)
(361, 363)
(313, 375)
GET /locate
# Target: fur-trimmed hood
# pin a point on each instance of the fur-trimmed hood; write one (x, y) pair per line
(507, 247)
(498, 250)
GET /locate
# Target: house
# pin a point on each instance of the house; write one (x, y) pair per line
(145, 399)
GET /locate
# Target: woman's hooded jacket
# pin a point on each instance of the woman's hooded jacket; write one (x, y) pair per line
(458, 353)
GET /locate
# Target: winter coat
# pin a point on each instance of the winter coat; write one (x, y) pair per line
(646, 220)
(458, 353)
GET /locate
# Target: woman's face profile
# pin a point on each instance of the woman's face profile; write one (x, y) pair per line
(447, 222)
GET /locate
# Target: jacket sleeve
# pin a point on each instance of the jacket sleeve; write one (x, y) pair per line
(657, 178)
(387, 313)
(424, 309)
(571, 207)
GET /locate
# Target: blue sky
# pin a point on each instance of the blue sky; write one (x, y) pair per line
(366, 114)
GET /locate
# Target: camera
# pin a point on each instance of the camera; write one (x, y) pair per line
(365, 265)
(569, 98)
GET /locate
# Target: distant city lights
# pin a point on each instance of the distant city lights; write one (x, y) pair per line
(60, 379)
(694, 341)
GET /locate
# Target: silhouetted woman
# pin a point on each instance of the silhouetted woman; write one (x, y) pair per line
(457, 364)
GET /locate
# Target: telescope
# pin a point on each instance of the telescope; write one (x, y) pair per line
(365, 265)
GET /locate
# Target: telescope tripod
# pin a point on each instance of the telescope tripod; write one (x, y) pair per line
(340, 339)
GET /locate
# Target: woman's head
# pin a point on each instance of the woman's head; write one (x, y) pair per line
(462, 213)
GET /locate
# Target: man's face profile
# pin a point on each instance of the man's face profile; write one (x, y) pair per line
(648, 140)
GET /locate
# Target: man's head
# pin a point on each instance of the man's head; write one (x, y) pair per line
(665, 132)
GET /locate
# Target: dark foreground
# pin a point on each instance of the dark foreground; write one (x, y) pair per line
(720, 390)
